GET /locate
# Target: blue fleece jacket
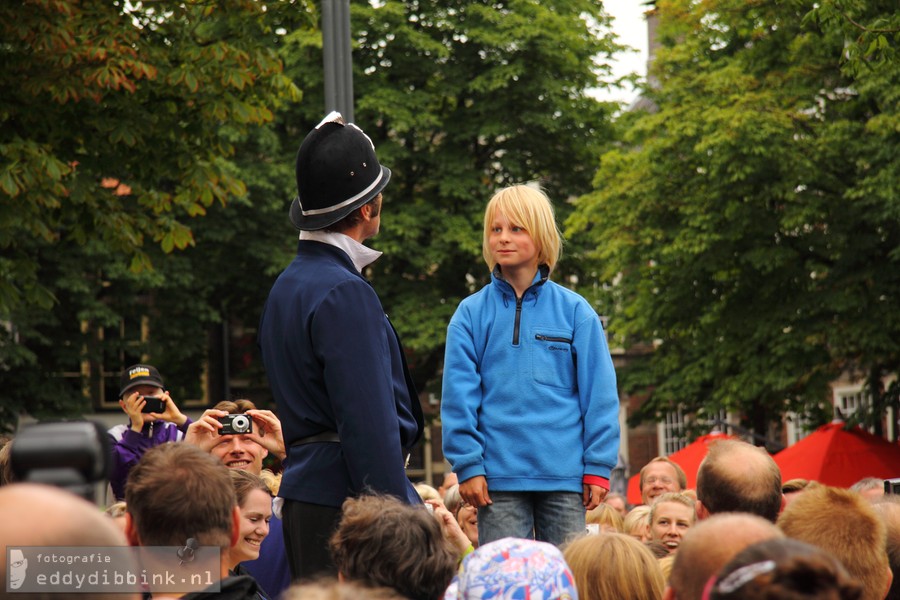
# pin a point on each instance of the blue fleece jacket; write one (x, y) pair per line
(529, 390)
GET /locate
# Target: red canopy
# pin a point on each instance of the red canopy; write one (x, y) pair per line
(688, 458)
(839, 457)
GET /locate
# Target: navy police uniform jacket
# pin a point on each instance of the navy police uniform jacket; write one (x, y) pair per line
(335, 364)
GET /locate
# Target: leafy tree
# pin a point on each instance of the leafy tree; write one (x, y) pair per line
(462, 97)
(750, 223)
(118, 121)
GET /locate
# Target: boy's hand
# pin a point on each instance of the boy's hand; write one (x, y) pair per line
(593, 496)
(475, 491)
(132, 405)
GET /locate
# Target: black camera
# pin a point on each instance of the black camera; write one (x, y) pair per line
(73, 455)
(892, 486)
(154, 404)
(235, 424)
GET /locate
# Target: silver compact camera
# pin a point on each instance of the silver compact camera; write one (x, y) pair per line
(235, 424)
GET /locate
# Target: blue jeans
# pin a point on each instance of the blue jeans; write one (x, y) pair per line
(554, 517)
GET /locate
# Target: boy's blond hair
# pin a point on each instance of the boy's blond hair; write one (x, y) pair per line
(529, 208)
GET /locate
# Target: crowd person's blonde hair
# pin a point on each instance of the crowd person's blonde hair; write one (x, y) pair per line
(637, 517)
(452, 500)
(614, 565)
(604, 514)
(665, 564)
(272, 480)
(676, 498)
(426, 492)
(116, 509)
(529, 208)
(6, 472)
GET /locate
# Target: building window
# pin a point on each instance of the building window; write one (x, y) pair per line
(114, 348)
(797, 427)
(672, 431)
(848, 400)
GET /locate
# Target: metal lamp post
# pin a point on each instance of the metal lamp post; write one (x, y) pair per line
(337, 57)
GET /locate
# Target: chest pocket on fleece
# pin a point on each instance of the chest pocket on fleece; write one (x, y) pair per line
(552, 357)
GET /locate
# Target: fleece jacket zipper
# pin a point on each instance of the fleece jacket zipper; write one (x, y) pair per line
(518, 318)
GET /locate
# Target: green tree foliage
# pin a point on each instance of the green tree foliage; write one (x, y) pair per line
(462, 97)
(135, 93)
(119, 121)
(459, 97)
(750, 223)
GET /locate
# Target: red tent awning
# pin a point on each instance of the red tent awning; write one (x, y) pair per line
(688, 458)
(839, 457)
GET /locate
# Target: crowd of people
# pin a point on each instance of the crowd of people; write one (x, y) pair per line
(741, 533)
(530, 417)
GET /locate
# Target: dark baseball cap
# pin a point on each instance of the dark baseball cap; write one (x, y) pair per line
(136, 375)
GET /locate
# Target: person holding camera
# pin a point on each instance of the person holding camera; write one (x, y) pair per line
(241, 436)
(154, 419)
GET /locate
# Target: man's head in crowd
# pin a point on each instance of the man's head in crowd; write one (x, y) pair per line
(238, 451)
(870, 488)
(710, 545)
(671, 515)
(786, 569)
(382, 542)
(43, 515)
(738, 477)
(845, 524)
(659, 476)
(176, 492)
